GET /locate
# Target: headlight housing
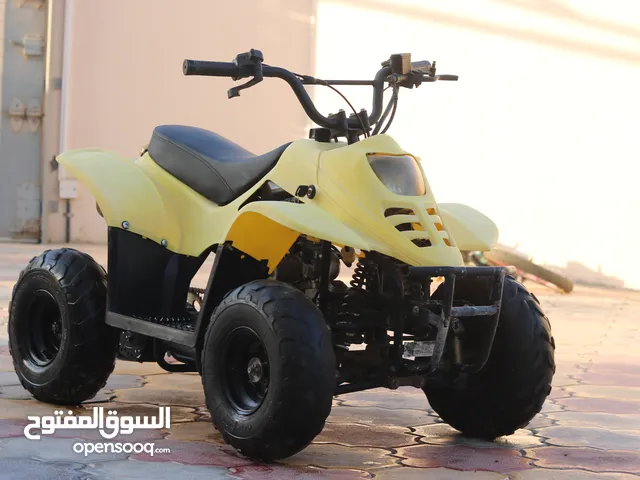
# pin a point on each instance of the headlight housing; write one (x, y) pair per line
(399, 173)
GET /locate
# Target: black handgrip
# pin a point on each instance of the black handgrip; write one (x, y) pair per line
(449, 78)
(213, 69)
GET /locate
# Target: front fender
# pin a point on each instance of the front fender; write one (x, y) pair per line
(266, 230)
(471, 230)
(124, 193)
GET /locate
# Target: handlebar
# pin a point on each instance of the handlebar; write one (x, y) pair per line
(245, 68)
(230, 69)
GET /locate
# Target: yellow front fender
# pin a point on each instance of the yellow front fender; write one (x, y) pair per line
(471, 230)
(124, 193)
(266, 230)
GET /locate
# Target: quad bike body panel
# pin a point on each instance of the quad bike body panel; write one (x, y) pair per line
(472, 230)
(351, 206)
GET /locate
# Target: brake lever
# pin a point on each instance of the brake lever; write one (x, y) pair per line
(235, 91)
(252, 59)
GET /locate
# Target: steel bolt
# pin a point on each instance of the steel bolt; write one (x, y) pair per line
(164, 242)
(125, 225)
(415, 310)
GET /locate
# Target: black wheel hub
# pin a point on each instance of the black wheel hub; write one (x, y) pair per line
(42, 332)
(246, 370)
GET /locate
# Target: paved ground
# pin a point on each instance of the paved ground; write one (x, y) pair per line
(589, 427)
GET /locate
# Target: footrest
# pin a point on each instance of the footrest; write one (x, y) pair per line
(474, 311)
(174, 330)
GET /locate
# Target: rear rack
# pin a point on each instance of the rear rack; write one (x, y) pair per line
(449, 312)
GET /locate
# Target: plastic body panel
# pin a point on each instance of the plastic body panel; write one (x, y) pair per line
(348, 208)
(472, 230)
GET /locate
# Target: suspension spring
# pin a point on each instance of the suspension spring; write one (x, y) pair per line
(363, 275)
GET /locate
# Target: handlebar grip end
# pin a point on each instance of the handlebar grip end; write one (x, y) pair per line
(187, 67)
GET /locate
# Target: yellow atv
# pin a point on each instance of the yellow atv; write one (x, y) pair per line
(276, 333)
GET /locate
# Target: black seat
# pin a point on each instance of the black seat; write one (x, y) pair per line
(210, 164)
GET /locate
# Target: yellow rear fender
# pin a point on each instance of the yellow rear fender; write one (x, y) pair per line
(470, 229)
(124, 193)
(267, 230)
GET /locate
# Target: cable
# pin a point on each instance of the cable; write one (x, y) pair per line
(393, 114)
(379, 123)
(364, 130)
(325, 84)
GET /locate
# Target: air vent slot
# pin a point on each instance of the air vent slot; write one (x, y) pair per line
(408, 223)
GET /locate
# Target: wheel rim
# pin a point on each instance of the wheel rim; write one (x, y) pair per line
(246, 369)
(42, 330)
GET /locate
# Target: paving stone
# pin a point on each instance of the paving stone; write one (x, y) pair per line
(195, 432)
(8, 379)
(169, 389)
(120, 382)
(277, 472)
(135, 368)
(6, 363)
(195, 453)
(103, 396)
(402, 398)
(21, 468)
(52, 450)
(607, 421)
(611, 379)
(606, 405)
(21, 409)
(602, 368)
(12, 428)
(445, 435)
(137, 470)
(381, 416)
(559, 392)
(539, 421)
(628, 358)
(354, 435)
(338, 456)
(596, 391)
(552, 406)
(408, 473)
(500, 460)
(540, 474)
(14, 392)
(585, 458)
(591, 437)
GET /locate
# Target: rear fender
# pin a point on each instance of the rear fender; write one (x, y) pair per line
(470, 229)
(124, 193)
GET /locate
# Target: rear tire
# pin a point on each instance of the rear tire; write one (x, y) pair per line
(516, 380)
(62, 349)
(268, 370)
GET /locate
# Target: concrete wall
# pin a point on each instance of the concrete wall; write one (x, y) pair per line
(542, 131)
(125, 77)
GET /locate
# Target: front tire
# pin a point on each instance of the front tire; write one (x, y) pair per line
(516, 380)
(268, 370)
(63, 351)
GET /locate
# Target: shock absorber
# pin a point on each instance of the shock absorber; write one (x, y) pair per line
(364, 274)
